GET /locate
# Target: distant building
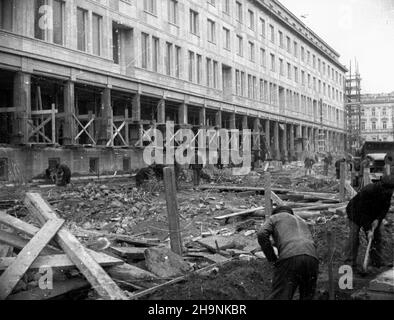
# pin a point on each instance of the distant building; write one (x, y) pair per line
(377, 117)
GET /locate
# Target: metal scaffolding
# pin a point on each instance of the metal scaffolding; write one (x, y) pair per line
(353, 109)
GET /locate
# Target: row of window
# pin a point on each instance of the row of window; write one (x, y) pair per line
(383, 111)
(291, 46)
(374, 126)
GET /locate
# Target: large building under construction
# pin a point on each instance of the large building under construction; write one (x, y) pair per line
(82, 80)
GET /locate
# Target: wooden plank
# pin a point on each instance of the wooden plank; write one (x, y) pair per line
(276, 199)
(172, 210)
(267, 194)
(215, 258)
(26, 257)
(238, 189)
(59, 288)
(19, 242)
(129, 252)
(62, 261)
(237, 214)
(93, 272)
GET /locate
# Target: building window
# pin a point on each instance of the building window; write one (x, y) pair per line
(215, 74)
(373, 125)
(272, 62)
(237, 82)
(177, 61)
(194, 25)
(191, 66)
(6, 13)
(155, 53)
(226, 39)
(226, 6)
(295, 46)
(363, 126)
(250, 85)
(115, 44)
(272, 30)
(239, 11)
(199, 69)
(303, 78)
(281, 67)
(173, 11)
(373, 112)
(242, 84)
(144, 50)
(288, 44)
(262, 27)
(281, 44)
(168, 58)
(251, 19)
(251, 51)
(96, 33)
(209, 72)
(314, 61)
(262, 58)
(150, 6)
(82, 16)
(289, 71)
(302, 54)
(384, 112)
(45, 20)
(239, 45)
(295, 74)
(211, 31)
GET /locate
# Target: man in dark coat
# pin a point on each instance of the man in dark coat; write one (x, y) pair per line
(297, 264)
(63, 175)
(338, 167)
(367, 210)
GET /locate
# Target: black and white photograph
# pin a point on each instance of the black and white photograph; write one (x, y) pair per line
(196, 155)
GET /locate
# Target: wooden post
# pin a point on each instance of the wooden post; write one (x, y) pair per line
(53, 115)
(330, 245)
(366, 177)
(126, 127)
(342, 181)
(172, 210)
(267, 193)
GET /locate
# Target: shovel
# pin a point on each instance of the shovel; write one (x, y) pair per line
(366, 259)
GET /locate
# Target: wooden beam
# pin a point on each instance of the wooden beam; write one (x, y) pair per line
(93, 272)
(267, 194)
(19, 242)
(172, 210)
(62, 261)
(237, 214)
(26, 257)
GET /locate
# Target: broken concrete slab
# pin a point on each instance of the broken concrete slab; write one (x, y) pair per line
(218, 242)
(384, 282)
(165, 264)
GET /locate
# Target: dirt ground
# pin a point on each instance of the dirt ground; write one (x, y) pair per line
(118, 207)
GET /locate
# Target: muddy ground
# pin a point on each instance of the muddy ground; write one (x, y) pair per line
(118, 207)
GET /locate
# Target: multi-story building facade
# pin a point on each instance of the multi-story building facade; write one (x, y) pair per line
(377, 117)
(94, 72)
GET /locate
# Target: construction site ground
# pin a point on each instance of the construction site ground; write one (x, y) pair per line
(97, 208)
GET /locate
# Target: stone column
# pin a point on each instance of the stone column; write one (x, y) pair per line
(136, 108)
(232, 121)
(202, 116)
(69, 129)
(284, 143)
(182, 113)
(292, 147)
(218, 119)
(105, 122)
(161, 111)
(276, 141)
(22, 105)
(268, 136)
(244, 122)
(299, 142)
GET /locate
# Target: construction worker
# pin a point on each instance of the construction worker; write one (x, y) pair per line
(308, 163)
(367, 210)
(326, 162)
(63, 175)
(297, 265)
(338, 167)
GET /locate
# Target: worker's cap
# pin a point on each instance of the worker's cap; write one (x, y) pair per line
(282, 209)
(388, 182)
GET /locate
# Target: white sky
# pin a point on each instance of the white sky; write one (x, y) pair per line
(356, 29)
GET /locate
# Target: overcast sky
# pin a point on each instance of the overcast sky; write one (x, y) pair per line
(361, 29)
